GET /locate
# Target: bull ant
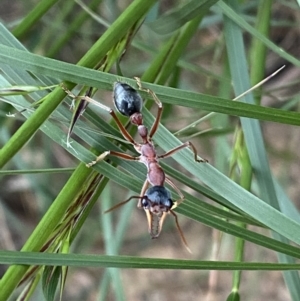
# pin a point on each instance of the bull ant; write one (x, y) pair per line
(156, 200)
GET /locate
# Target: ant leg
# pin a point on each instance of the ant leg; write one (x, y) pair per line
(112, 153)
(159, 104)
(121, 127)
(184, 145)
(122, 203)
(149, 215)
(178, 192)
(180, 231)
(144, 188)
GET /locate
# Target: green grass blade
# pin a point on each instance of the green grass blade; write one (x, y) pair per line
(85, 76)
(178, 17)
(258, 51)
(32, 258)
(110, 245)
(30, 20)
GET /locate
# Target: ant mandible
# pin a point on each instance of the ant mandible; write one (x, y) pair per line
(156, 200)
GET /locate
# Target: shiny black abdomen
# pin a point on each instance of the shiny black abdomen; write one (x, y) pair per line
(126, 99)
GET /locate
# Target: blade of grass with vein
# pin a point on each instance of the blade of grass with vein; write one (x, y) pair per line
(177, 18)
(35, 171)
(129, 262)
(97, 79)
(110, 246)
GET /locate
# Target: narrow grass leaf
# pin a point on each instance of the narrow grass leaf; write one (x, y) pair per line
(50, 281)
(130, 262)
(179, 16)
(88, 77)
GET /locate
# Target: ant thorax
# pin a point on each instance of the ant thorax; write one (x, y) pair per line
(156, 176)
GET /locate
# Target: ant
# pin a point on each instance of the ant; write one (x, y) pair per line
(156, 200)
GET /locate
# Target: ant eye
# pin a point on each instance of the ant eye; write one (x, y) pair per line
(169, 203)
(145, 203)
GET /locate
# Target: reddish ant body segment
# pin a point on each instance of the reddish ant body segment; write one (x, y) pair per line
(156, 200)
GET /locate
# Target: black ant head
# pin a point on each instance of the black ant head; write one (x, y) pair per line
(157, 203)
(126, 99)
